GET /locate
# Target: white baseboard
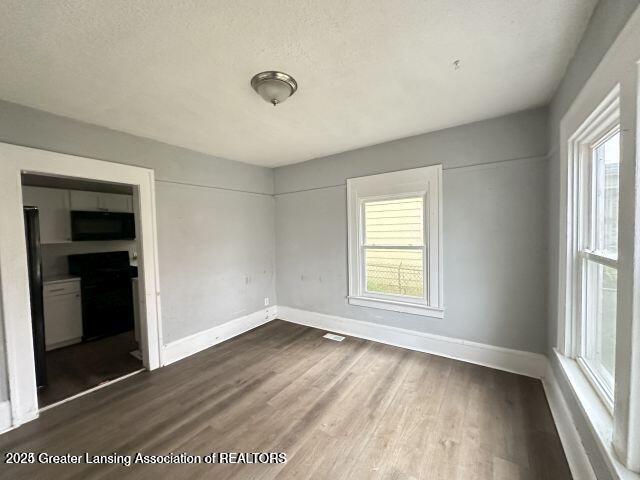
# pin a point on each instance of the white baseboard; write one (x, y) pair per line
(5, 415)
(197, 342)
(516, 361)
(65, 343)
(571, 442)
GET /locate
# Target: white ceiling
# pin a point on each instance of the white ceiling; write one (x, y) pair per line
(368, 71)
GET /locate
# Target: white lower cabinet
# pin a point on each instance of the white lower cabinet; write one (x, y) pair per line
(62, 313)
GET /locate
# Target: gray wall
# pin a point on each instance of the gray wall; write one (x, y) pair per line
(607, 20)
(494, 229)
(216, 256)
(208, 275)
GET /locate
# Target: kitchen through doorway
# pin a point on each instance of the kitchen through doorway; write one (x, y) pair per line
(82, 255)
(16, 162)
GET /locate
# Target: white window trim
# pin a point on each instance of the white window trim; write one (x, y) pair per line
(607, 113)
(599, 418)
(426, 181)
(599, 125)
(618, 71)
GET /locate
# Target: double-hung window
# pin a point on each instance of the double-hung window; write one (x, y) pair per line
(395, 246)
(598, 261)
(595, 264)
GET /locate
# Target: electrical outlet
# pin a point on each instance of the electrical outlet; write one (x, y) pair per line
(266, 301)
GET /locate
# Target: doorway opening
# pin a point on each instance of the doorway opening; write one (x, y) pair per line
(114, 187)
(82, 256)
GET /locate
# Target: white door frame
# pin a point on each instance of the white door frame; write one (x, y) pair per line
(14, 282)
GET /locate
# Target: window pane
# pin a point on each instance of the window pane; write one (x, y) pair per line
(394, 272)
(607, 164)
(394, 222)
(601, 298)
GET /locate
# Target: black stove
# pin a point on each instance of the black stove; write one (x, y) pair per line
(107, 300)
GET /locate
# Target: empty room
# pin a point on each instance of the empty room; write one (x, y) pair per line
(320, 240)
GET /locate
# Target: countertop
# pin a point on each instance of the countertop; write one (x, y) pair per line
(61, 279)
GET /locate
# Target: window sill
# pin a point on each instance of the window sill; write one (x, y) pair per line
(598, 386)
(401, 307)
(598, 417)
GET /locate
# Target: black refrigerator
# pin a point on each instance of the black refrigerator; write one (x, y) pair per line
(34, 261)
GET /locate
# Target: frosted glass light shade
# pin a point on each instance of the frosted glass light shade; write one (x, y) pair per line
(274, 87)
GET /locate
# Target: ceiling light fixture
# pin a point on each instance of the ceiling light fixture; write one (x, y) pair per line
(274, 87)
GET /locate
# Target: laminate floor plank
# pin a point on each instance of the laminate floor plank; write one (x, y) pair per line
(340, 410)
(79, 367)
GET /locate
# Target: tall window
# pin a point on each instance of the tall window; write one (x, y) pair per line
(394, 241)
(597, 260)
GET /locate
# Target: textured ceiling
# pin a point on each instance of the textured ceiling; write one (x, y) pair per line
(368, 71)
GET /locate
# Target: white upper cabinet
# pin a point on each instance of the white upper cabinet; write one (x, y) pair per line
(116, 203)
(100, 202)
(86, 201)
(53, 205)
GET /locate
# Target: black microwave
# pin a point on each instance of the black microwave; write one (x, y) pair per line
(102, 226)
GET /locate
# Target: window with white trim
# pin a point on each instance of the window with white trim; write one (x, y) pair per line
(598, 347)
(395, 246)
(596, 155)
